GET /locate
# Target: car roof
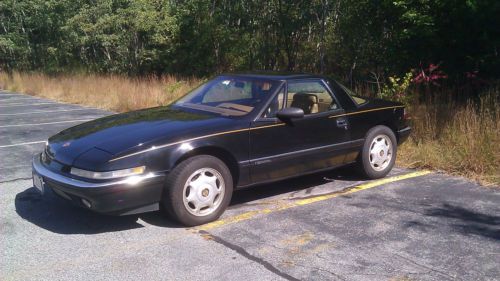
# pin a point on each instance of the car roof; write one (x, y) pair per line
(272, 75)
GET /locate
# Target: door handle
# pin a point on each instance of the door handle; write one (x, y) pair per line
(342, 123)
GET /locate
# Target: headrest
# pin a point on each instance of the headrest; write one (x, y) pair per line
(305, 97)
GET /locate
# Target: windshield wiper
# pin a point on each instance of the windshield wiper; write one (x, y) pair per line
(213, 109)
(239, 107)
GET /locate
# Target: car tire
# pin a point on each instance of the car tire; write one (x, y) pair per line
(198, 190)
(378, 155)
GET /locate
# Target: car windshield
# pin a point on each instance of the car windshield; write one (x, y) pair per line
(229, 96)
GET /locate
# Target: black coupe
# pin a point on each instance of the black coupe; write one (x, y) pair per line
(233, 131)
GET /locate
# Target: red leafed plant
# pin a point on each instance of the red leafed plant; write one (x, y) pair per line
(429, 75)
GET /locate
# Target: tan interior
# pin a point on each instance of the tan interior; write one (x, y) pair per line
(315, 102)
(307, 102)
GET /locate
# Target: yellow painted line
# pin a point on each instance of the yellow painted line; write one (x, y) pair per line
(279, 206)
(362, 187)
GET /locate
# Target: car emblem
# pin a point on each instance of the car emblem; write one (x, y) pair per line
(66, 144)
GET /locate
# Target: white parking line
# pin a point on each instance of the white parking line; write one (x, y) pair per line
(23, 143)
(48, 123)
(44, 111)
(23, 104)
(4, 104)
(17, 99)
(8, 95)
(13, 167)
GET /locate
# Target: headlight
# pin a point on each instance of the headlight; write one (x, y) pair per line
(108, 175)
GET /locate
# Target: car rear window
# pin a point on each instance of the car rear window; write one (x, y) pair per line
(357, 99)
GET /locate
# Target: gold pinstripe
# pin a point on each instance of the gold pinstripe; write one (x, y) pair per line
(192, 139)
(239, 130)
(364, 111)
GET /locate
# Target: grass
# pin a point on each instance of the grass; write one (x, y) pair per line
(116, 93)
(458, 139)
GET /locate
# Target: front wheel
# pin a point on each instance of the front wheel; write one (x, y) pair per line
(379, 153)
(198, 190)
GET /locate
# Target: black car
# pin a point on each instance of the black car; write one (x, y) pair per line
(233, 131)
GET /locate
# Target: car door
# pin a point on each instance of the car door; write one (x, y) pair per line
(316, 141)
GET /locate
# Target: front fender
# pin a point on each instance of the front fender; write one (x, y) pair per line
(167, 159)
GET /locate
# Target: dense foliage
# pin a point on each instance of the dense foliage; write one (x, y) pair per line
(365, 39)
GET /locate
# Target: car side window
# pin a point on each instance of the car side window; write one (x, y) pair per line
(310, 96)
(275, 105)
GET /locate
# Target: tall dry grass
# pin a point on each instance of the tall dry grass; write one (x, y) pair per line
(116, 93)
(459, 139)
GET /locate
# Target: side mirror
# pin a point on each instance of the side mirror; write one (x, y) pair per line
(289, 113)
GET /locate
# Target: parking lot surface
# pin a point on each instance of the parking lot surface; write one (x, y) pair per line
(412, 225)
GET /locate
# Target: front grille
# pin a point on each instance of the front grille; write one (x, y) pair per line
(74, 199)
(48, 154)
(52, 163)
(65, 169)
(45, 157)
(62, 194)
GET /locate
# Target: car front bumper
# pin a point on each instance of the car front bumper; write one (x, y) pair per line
(124, 196)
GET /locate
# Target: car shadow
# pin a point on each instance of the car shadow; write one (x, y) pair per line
(306, 183)
(467, 222)
(436, 216)
(57, 215)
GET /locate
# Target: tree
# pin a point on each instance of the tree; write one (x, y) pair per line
(352, 39)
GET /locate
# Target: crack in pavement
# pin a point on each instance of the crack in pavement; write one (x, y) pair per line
(246, 254)
(323, 270)
(18, 179)
(361, 268)
(426, 267)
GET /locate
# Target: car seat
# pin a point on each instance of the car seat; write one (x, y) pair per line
(305, 101)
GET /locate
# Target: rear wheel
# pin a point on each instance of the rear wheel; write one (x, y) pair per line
(379, 153)
(198, 190)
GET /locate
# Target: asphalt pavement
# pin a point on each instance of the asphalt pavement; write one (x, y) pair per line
(412, 225)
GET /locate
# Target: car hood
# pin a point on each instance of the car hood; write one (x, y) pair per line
(118, 133)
